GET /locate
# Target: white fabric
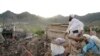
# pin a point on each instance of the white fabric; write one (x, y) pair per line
(87, 36)
(93, 37)
(96, 39)
(57, 49)
(59, 41)
(75, 24)
(73, 34)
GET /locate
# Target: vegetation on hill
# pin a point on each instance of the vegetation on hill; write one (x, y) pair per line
(35, 21)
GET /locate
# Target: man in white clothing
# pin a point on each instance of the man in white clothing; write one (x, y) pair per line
(75, 30)
(75, 26)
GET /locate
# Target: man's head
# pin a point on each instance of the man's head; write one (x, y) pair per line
(93, 33)
(71, 17)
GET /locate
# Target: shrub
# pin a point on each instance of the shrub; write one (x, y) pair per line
(39, 32)
(97, 29)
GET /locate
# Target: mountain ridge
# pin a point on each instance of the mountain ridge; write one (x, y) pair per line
(9, 16)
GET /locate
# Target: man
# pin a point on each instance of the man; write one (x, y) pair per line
(57, 48)
(75, 30)
(75, 44)
(75, 26)
(90, 45)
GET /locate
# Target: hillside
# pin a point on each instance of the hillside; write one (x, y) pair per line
(9, 17)
(34, 20)
(58, 19)
(90, 18)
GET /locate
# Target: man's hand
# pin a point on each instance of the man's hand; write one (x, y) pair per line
(69, 37)
(67, 31)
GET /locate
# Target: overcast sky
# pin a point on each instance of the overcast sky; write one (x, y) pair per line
(49, 8)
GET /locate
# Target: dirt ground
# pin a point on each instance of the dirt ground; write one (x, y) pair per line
(26, 47)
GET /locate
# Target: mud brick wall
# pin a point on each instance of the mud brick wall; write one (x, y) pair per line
(56, 30)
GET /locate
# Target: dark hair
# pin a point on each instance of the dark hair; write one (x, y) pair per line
(70, 18)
